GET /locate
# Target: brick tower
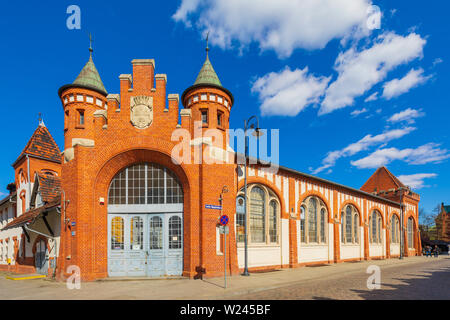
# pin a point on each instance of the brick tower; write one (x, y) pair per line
(209, 104)
(83, 101)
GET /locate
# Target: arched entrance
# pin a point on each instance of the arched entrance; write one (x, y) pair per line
(145, 222)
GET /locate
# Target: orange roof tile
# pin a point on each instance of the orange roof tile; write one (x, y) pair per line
(42, 145)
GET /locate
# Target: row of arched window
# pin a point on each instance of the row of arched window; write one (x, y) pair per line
(264, 214)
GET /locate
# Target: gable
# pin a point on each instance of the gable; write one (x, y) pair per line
(382, 180)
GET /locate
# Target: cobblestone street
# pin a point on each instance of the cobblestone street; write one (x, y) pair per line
(426, 280)
(410, 278)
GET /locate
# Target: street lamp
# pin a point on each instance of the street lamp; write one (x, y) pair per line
(402, 239)
(257, 133)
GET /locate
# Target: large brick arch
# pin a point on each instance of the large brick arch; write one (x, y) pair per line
(313, 193)
(108, 171)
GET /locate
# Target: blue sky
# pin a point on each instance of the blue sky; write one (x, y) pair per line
(346, 98)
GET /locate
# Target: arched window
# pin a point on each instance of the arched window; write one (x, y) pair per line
(117, 240)
(410, 233)
(375, 227)
(313, 227)
(263, 215)
(147, 183)
(349, 225)
(395, 229)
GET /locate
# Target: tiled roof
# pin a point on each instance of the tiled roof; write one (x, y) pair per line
(49, 187)
(42, 145)
(29, 216)
(382, 179)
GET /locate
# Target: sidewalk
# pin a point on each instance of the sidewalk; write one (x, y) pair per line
(190, 289)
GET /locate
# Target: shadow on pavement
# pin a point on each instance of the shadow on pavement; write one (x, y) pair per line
(431, 285)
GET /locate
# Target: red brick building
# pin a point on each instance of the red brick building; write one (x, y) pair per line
(443, 223)
(139, 177)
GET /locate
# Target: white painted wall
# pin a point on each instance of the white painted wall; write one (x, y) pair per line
(350, 251)
(395, 249)
(284, 242)
(375, 250)
(259, 256)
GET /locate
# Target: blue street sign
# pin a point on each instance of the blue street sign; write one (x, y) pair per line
(211, 206)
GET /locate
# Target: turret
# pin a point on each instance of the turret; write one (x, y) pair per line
(81, 99)
(210, 103)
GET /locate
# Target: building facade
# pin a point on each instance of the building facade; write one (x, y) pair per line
(137, 187)
(443, 223)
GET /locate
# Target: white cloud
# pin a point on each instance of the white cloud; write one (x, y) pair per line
(361, 145)
(428, 153)
(358, 71)
(288, 92)
(397, 87)
(3, 194)
(372, 97)
(356, 113)
(437, 61)
(416, 181)
(409, 115)
(282, 25)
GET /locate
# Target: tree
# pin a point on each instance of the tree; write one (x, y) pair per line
(427, 224)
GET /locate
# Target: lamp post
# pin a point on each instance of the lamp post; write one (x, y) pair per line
(257, 133)
(402, 240)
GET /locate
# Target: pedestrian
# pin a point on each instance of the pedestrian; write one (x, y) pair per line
(428, 251)
(436, 251)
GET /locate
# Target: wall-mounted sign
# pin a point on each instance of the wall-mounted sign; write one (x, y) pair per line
(211, 206)
(73, 223)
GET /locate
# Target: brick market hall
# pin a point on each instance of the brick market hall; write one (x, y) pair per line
(114, 202)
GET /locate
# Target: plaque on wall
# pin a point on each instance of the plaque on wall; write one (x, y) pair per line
(141, 111)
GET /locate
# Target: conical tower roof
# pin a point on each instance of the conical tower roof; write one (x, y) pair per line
(207, 75)
(89, 77)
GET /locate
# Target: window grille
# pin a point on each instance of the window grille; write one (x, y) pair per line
(174, 232)
(410, 233)
(142, 184)
(312, 220)
(257, 216)
(117, 231)
(136, 234)
(273, 234)
(156, 233)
